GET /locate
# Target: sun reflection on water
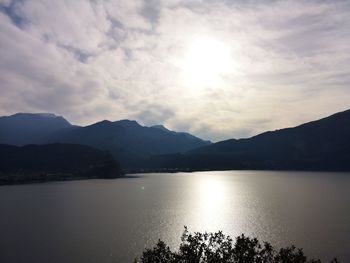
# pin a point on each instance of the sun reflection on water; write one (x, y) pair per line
(211, 202)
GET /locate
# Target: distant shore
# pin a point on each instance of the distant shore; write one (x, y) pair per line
(16, 179)
(189, 170)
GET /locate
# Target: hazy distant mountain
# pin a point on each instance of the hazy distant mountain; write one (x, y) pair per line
(129, 141)
(27, 128)
(317, 145)
(54, 162)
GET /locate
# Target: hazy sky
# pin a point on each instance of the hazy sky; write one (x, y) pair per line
(217, 69)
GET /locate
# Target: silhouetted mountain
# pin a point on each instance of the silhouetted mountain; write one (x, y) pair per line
(317, 145)
(130, 142)
(54, 162)
(27, 128)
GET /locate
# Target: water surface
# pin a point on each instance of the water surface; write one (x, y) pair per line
(113, 220)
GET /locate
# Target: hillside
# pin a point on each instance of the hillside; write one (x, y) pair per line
(32, 163)
(319, 145)
(28, 128)
(130, 142)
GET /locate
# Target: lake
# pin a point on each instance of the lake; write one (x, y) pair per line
(113, 220)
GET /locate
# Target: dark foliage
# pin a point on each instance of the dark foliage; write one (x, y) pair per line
(54, 162)
(219, 248)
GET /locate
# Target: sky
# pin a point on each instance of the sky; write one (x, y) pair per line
(217, 69)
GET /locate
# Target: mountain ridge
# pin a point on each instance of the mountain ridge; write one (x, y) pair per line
(127, 140)
(28, 128)
(321, 121)
(130, 142)
(322, 144)
(317, 145)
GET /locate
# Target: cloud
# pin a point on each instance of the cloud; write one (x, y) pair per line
(93, 60)
(154, 114)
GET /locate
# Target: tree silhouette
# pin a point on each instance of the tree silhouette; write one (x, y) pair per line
(219, 248)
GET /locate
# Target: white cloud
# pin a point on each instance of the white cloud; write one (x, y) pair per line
(93, 60)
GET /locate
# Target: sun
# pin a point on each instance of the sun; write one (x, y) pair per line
(205, 63)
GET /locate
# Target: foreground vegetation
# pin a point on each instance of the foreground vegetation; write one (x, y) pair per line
(219, 248)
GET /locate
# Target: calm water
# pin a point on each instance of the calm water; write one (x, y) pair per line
(113, 220)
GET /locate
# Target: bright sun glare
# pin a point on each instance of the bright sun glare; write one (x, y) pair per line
(205, 63)
(211, 197)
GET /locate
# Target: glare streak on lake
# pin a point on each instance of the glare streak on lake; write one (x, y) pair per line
(113, 220)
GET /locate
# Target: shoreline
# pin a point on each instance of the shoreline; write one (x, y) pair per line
(61, 177)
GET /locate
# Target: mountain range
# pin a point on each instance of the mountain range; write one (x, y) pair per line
(318, 145)
(28, 128)
(128, 141)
